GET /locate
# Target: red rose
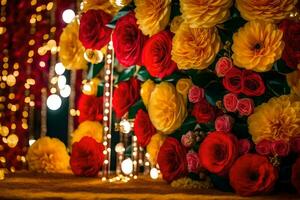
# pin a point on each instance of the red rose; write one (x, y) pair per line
(296, 175)
(218, 151)
(295, 144)
(93, 32)
(280, 148)
(244, 146)
(291, 38)
(90, 107)
(223, 66)
(230, 102)
(195, 94)
(252, 174)
(172, 160)
(87, 157)
(203, 111)
(233, 81)
(193, 162)
(224, 123)
(245, 106)
(263, 147)
(128, 41)
(143, 128)
(253, 84)
(157, 55)
(125, 95)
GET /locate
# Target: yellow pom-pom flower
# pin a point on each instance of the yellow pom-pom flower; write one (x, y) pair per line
(146, 90)
(71, 52)
(207, 13)
(88, 128)
(278, 119)
(104, 5)
(175, 24)
(48, 155)
(152, 15)
(166, 108)
(153, 147)
(267, 10)
(195, 48)
(257, 45)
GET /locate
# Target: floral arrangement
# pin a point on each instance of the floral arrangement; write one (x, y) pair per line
(214, 91)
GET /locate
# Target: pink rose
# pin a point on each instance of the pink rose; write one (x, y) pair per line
(280, 148)
(295, 144)
(244, 146)
(193, 162)
(189, 139)
(263, 147)
(196, 94)
(224, 123)
(223, 66)
(245, 106)
(230, 102)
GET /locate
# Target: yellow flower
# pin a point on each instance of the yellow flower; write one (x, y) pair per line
(278, 119)
(183, 86)
(71, 52)
(146, 90)
(104, 5)
(166, 108)
(88, 128)
(293, 80)
(195, 48)
(91, 87)
(257, 45)
(205, 14)
(152, 15)
(267, 10)
(48, 155)
(153, 147)
(175, 24)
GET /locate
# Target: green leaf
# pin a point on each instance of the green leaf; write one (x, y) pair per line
(174, 77)
(124, 11)
(94, 70)
(281, 67)
(214, 92)
(276, 83)
(126, 74)
(175, 9)
(100, 90)
(202, 78)
(143, 74)
(133, 109)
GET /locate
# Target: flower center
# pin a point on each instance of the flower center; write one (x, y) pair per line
(257, 46)
(253, 176)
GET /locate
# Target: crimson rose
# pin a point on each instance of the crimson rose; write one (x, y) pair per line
(203, 111)
(125, 95)
(291, 37)
(253, 84)
(87, 157)
(263, 147)
(233, 80)
(93, 32)
(128, 41)
(143, 128)
(218, 151)
(296, 175)
(90, 107)
(252, 174)
(172, 160)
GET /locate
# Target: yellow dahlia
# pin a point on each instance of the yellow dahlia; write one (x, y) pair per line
(153, 147)
(104, 5)
(267, 10)
(195, 48)
(206, 13)
(293, 80)
(88, 128)
(48, 155)
(183, 86)
(257, 45)
(278, 119)
(175, 24)
(166, 108)
(71, 52)
(152, 15)
(146, 90)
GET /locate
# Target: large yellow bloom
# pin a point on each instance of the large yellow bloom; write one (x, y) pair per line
(153, 147)
(152, 15)
(166, 108)
(267, 10)
(48, 155)
(104, 5)
(71, 52)
(195, 48)
(88, 128)
(146, 90)
(278, 119)
(205, 13)
(293, 80)
(257, 45)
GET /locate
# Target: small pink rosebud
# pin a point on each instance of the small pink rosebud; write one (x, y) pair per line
(224, 123)
(244, 146)
(230, 102)
(223, 66)
(193, 162)
(263, 147)
(195, 94)
(245, 106)
(189, 139)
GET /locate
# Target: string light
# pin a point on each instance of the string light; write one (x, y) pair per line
(68, 16)
(127, 166)
(54, 102)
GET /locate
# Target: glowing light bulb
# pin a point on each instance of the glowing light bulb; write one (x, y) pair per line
(127, 166)
(59, 68)
(54, 102)
(154, 173)
(61, 82)
(120, 148)
(125, 126)
(66, 91)
(31, 141)
(68, 15)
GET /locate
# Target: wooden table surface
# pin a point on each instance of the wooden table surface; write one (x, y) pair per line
(29, 185)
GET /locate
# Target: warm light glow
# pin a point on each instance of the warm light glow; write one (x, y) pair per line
(68, 15)
(12, 140)
(66, 91)
(11, 80)
(154, 173)
(61, 82)
(31, 141)
(127, 166)
(59, 68)
(120, 148)
(54, 102)
(125, 126)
